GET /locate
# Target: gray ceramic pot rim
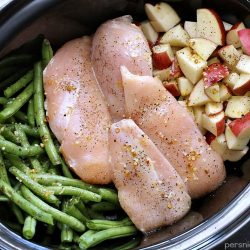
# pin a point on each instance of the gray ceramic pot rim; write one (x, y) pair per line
(206, 235)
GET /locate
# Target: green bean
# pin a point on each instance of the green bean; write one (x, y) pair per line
(50, 229)
(12, 107)
(66, 234)
(57, 214)
(106, 224)
(104, 206)
(87, 241)
(21, 116)
(38, 189)
(47, 52)
(65, 169)
(109, 195)
(29, 228)
(128, 245)
(12, 78)
(26, 206)
(8, 134)
(16, 60)
(48, 179)
(3, 100)
(19, 84)
(17, 162)
(12, 148)
(30, 113)
(25, 143)
(40, 116)
(81, 207)
(4, 199)
(33, 132)
(3, 171)
(74, 191)
(75, 212)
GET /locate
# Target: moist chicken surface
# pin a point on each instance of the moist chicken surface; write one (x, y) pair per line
(174, 132)
(77, 111)
(149, 188)
(119, 42)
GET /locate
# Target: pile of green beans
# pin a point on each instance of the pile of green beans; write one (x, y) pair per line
(35, 182)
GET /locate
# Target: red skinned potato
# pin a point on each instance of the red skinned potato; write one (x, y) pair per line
(210, 26)
(232, 35)
(162, 56)
(244, 36)
(172, 88)
(241, 127)
(214, 73)
(242, 86)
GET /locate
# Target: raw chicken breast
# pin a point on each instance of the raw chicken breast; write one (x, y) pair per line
(80, 117)
(119, 42)
(174, 132)
(62, 82)
(150, 190)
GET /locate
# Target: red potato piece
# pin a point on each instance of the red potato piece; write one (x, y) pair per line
(244, 36)
(214, 73)
(210, 26)
(149, 189)
(172, 88)
(73, 94)
(241, 126)
(175, 70)
(119, 42)
(162, 56)
(232, 35)
(174, 132)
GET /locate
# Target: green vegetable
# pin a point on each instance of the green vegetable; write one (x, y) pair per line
(12, 148)
(48, 179)
(57, 214)
(106, 224)
(47, 52)
(19, 84)
(25, 143)
(40, 116)
(4, 199)
(26, 206)
(21, 116)
(38, 189)
(12, 78)
(29, 227)
(17, 162)
(66, 234)
(93, 238)
(74, 191)
(13, 106)
(31, 114)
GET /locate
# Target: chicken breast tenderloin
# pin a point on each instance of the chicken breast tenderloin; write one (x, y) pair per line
(77, 111)
(174, 132)
(119, 42)
(150, 190)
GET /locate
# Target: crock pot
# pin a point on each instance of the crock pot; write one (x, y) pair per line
(223, 213)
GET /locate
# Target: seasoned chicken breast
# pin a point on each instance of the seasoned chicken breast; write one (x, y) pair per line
(174, 132)
(150, 190)
(119, 42)
(78, 114)
(62, 83)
